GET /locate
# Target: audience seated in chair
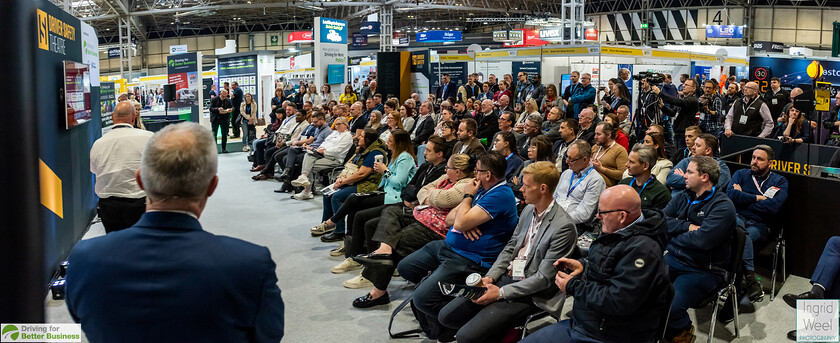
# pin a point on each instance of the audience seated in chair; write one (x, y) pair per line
(704, 145)
(329, 155)
(825, 282)
(639, 162)
(579, 187)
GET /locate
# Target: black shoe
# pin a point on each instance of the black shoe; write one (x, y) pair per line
(367, 301)
(224, 151)
(332, 237)
(726, 314)
(754, 291)
(790, 299)
(285, 188)
(378, 259)
(284, 175)
(791, 335)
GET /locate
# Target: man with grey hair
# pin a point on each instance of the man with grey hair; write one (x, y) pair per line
(153, 281)
(533, 126)
(587, 125)
(654, 195)
(701, 222)
(114, 159)
(580, 185)
(424, 126)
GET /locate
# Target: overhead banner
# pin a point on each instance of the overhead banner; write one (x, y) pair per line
(114, 52)
(107, 101)
(500, 36)
(178, 49)
(332, 31)
(184, 71)
(359, 40)
(591, 34)
(299, 37)
(436, 36)
(240, 69)
(90, 52)
(369, 28)
(399, 39)
(724, 31)
(768, 46)
(524, 37)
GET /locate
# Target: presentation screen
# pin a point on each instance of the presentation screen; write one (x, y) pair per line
(77, 108)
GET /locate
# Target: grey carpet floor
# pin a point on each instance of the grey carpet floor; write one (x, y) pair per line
(318, 307)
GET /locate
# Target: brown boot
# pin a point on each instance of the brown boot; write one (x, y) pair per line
(686, 336)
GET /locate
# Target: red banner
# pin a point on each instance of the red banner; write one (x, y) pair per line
(300, 37)
(530, 37)
(591, 34)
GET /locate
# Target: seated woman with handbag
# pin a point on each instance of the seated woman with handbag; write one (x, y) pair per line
(357, 176)
(403, 230)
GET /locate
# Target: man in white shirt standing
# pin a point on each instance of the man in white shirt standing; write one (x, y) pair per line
(114, 160)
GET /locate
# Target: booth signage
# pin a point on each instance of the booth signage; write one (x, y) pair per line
(724, 31)
(177, 49)
(768, 46)
(359, 40)
(551, 34)
(300, 37)
(242, 69)
(524, 37)
(400, 39)
(500, 36)
(515, 35)
(591, 34)
(438, 36)
(369, 28)
(114, 52)
(333, 31)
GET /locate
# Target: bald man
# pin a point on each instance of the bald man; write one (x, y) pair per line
(749, 116)
(114, 159)
(488, 122)
(628, 294)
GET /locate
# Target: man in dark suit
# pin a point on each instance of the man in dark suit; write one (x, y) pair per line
(488, 122)
(237, 97)
(425, 124)
(521, 281)
(447, 88)
(220, 109)
(467, 143)
(165, 279)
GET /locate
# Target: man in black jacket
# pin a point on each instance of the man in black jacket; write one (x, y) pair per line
(701, 221)
(621, 288)
(488, 122)
(776, 98)
(424, 127)
(237, 97)
(686, 112)
(220, 109)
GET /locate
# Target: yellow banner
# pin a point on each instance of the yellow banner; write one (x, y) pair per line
(490, 54)
(566, 51)
(608, 50)
(453, 58)
(368, 64)
(671, 54)
(698, 57)
(51, 195)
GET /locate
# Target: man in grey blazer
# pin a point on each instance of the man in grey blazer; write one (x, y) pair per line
(521, 281)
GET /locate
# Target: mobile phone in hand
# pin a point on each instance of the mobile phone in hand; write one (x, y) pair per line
(562, 267)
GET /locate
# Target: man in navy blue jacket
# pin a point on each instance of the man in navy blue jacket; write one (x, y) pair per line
(704, 145)
(700, 221)
(758, 195)
(584, 95)
(165, 279)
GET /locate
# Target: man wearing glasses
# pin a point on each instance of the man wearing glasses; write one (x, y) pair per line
(616, 299)
(700, 221)
(711, 110)
(532, 129)
(579, 186)
(330, 154)
(749, 116)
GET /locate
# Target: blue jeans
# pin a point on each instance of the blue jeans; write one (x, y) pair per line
(446, 265)
(333, 202)
(758, 235)
(827, 272)
(691, 285)
(559, 332)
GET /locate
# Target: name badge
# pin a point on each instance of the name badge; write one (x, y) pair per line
(770, 192)
(775, 101)
(517, 268)
(742, 119)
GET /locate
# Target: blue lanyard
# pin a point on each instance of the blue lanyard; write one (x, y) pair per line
(643, 186)
(508, 156)
(695, 202)
(572, 188)
(289, 118)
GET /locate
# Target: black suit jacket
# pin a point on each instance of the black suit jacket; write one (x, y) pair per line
(236, 99)
(488, 125)
(167, 280)
(216, 104)
(423, 130)
(451, 89)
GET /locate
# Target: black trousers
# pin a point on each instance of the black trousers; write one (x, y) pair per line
(294, 157)
(353, 204)
(234, 122)
(274, 155)
(362, 225)
(120, 213)
(223, 121)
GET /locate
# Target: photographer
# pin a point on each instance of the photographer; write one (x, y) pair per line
(686, 110)
(711, 108)
(647, 111)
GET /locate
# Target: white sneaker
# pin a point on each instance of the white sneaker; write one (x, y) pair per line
(301, 181)
(346, 266)
(338, 251)
(358, 282)
(304, 195)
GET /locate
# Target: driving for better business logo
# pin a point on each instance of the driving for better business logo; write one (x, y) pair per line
(10, 332)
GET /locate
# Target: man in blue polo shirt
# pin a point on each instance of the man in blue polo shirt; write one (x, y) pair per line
(481, 227)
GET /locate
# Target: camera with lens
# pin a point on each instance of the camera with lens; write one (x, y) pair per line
(652, 78)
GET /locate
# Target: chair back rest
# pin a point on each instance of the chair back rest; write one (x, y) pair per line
(736, 255)
(663, 317)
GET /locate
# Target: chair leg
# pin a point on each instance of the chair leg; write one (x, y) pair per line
(717, 303)
(773, 273)
(734, 294)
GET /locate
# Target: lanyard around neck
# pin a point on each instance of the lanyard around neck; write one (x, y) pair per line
(643, 186)
(571, 187)
(695, 202)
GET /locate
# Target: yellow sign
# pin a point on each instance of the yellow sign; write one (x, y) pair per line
(367, 63)
(671, 54)
(493, 54)
(815, 70)
(698, 57)
(529, 52)
(52, 33)
(51, 195)
(791, 167)
(608, 50)
(455, 58)
(566, 51)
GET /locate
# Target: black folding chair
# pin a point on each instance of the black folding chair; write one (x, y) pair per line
(719, 298)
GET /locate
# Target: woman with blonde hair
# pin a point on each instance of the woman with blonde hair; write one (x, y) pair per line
(249, 112)
(530, 108)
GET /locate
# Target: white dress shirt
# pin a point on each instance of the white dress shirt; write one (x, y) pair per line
(115, 159)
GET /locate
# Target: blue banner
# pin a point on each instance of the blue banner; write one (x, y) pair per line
(359, 40)
(530, 67)
(724, 31)
(369, 28)
(333, 31)
(438, 36)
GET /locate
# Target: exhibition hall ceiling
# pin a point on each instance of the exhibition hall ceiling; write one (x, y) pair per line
(152, 19)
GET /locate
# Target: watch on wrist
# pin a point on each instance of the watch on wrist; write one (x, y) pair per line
(468, 195)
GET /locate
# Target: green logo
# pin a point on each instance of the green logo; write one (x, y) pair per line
(171, 63)
(11, 332)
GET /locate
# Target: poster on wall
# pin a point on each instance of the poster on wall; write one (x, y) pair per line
(107, 101)
(420, 73)
(90, 52)
(330, 51)
(529, 67)
(457, 73)
(240, 69)
(183, 71)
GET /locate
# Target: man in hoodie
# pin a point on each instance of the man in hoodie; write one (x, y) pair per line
(701, 222)
(758, 195)
(621, 288)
